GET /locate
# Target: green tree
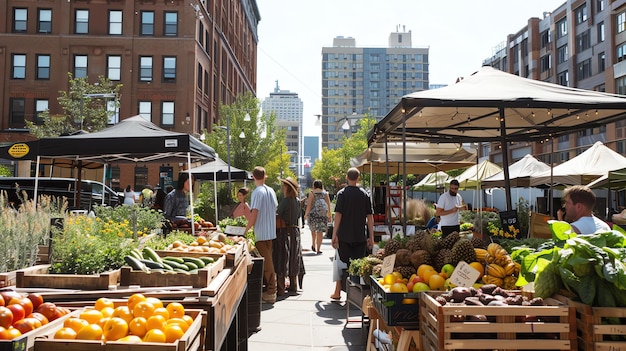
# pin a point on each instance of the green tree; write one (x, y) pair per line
(92, 112)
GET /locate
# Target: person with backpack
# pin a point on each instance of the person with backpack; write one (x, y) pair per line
(318, 214)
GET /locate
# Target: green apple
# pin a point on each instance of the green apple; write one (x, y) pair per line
(417, 287)
(448, 285)
(447, 269)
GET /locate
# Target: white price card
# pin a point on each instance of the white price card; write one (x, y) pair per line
(388, 263)
(464, 275)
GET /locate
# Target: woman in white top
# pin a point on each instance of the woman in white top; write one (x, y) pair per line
(129, 196)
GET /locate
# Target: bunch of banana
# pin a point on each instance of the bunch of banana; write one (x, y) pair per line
(497, 254)
(481, 255)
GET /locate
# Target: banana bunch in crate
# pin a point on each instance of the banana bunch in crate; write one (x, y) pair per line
(499, 267)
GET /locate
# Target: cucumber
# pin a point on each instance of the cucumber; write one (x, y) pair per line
(181, 271)
(191, 266)
(198, 262)
(150, 254)
(152, 264)
(175, 259)
(136, 254)
(207, 260)
(176, 265)
(135, 263)
(167, 266)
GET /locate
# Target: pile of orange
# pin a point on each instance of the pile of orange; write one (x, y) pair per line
(141, 319)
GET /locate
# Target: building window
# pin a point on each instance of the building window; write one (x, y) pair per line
(167, 113)
(170, 27)
(546, 63)
(41, 106)
(583, 41)
(44, 23)
(621, 85)
(545, 38)
(561, 28)
(145, 110)
(169, 69)
(621, 52)
(145, 68)
(80, 66)
(601, 32)
(601, 62)
(621, 21)
(114, 67)
(581, 14)
(20, 20)
(112, 111)
(600, 5)
(563, 78)
(147, 22)
(82, 22)
(18, 109)
(562, 53)
(19, 66)
(43, 66)
(115, 22)
(584, 69)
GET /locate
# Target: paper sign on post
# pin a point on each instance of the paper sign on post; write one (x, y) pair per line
(464, 275)
(388, 263)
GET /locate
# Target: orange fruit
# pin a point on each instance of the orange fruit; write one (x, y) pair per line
(176, 309)
(133, 339)
(162, 311)
(156, 322)
(123, 312)
(115, 328)
(479, 267)
(143, 309)
(173, 332)
(155, 301)
(104, 321)
(183, 324)
(397, 274)
(107, 311)
(134, 299)
(409, 301)
(436, 282)
(75, 323)
(189, 319)
(90, 332)
(138, 326)
(422, 268)
(428, 274)
(103, 302)
(65, 333)
(91, 315)
(390, 278)
(13, 333)
(155, 335)
(398, 288)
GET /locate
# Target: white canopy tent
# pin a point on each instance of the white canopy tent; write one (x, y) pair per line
(520, 173)
(473, 176)
(432, 182)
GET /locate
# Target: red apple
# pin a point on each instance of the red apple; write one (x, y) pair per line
(25, 302)
(27, 324)
(8, 295)
(39, 317)
(18, 312)
(48, 309)
(36, 299)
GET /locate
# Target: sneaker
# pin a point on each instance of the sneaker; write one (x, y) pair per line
(268, 298)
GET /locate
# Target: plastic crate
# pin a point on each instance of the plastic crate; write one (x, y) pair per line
(392, 307)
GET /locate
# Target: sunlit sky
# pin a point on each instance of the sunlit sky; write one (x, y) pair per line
(461, 34)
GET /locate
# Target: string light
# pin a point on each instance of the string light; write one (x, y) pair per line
(532, 113)
(549, 111)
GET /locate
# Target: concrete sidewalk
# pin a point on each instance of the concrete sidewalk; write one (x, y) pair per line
(309, 320)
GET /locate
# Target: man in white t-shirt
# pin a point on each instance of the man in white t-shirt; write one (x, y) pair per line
(448, 208)
(578, 210)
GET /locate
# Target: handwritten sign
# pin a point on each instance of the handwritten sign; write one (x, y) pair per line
(508, 219)
(464, 275)
(388, 263)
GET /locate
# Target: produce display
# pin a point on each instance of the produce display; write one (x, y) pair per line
(148, 260)
(486, 295)
(591, 267)
(20, 314)
(139, 319)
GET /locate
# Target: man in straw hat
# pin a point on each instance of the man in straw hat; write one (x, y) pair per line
(287, 246)
(263, 219)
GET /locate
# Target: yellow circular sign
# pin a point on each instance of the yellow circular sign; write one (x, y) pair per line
(19, 150)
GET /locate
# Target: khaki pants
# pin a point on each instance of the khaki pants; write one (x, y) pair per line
(265, 249)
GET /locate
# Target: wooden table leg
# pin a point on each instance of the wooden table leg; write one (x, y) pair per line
(405, 339)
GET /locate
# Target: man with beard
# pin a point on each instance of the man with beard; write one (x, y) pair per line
(578, 210)
(448, 208)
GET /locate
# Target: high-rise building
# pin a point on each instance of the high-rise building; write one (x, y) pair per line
(311, 155)
(358, 81)
(578, 44)
(177, 61)
(288, 108)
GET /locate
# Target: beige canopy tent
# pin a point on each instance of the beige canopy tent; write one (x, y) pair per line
(520, 173)
(432, 182)
(473, 176)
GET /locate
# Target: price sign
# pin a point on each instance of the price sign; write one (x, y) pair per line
(388, 263)
(464, 275)
(508, 219)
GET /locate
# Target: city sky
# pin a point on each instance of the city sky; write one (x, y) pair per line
(461, 34)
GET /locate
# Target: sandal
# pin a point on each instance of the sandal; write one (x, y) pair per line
(313, 248)
(335, 298)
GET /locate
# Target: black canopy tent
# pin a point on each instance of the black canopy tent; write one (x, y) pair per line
(132, 140)
(495, 106)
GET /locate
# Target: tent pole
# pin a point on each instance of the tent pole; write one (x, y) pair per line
(193, 227)
(388, 210)
(505, 160)
(551, 193)
(404, 188)
(36, 181)
(215, 195)
(104, 173)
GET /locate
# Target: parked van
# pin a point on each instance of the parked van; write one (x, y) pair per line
(91, 192)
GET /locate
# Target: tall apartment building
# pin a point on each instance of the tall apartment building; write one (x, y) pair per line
(580, 44)
(288, 108)
(177, 60)
(358, 81)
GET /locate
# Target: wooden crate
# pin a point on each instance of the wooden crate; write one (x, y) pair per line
(553, 327)
(38, 277)
(192, 340)
(200, 279)
(26, 342)
(593, 329)
(232, 257)
(392, 308)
